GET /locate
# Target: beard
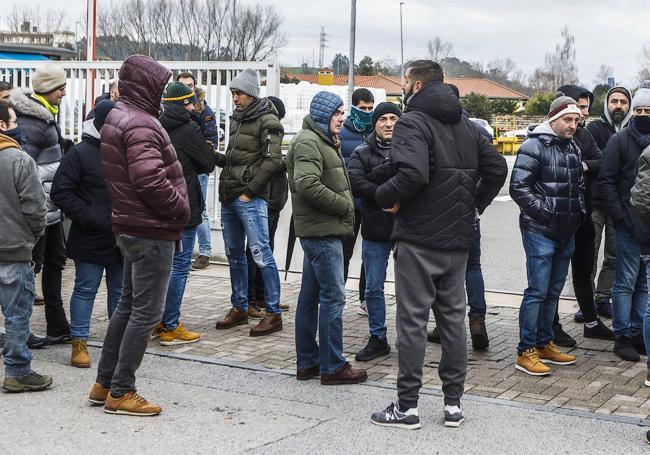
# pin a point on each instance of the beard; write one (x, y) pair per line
(406, 96)
(617, 115)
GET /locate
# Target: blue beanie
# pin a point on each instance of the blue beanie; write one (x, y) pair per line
(322, 109)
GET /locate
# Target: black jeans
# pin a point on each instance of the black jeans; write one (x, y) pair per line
(348, 251)
(255, 280)
(49, 259)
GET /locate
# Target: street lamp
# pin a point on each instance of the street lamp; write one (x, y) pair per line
(401, 40)
(353, 22)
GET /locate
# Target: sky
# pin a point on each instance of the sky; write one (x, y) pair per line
(610, 32)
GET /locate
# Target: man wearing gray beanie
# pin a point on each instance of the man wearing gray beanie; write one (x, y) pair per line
(252, 159)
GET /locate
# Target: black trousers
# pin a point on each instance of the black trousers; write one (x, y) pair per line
(348, 251)
(49, 259)
(255, 281)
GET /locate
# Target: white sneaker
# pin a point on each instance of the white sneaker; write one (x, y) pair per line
(363, 309)
(453, 416)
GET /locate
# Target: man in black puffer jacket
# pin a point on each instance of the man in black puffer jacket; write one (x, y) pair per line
(445, 172)
(548, 187)
(196, 158)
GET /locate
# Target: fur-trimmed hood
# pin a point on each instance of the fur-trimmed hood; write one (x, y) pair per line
(199, 106)
(24, 104)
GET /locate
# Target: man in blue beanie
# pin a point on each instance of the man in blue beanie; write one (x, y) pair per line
(323, 215)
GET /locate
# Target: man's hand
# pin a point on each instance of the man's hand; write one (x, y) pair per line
(393, 209)
(244, 198)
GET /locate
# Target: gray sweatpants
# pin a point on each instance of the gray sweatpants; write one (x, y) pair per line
(426, 278)
(147, 267)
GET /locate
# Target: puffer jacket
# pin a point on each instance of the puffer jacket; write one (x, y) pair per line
(204, 116)
(193, 153)
(253, 155)
(445, 172)
(144, 178)
(42, 140)
(548, 186)
(319, 184)
(279, 192)
(351, 138)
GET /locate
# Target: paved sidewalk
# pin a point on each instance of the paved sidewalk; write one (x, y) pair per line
(599, 382)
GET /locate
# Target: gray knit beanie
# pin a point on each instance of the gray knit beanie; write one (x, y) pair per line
(48, 78)
(561, 106)
(246, 82)
(642, 96)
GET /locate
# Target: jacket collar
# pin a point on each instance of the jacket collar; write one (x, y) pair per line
(26, 105)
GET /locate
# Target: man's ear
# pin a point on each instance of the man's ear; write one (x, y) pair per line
(417, 86)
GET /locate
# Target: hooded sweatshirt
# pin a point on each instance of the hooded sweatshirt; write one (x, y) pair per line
(605, 127)
(22, 203)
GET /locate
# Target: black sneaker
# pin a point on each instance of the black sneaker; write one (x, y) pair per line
(393, 417)
(639, 344)
(604, 309)
(58, 339)
(453, 416)
(36, 342)
(376, 347)
(562, 338)
(578, 317)
(28, 383)
(434, 336)
(600, 331)
(624, 349)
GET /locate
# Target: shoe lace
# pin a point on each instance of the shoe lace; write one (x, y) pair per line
(532, 355)
(138, 399)
(553, 347)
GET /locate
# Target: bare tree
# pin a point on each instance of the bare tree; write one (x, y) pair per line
(561, 65)
(604, 72)
(644, 60)
(437, 49)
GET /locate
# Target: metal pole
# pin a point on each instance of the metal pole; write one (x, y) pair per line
(401, 40)
(353, 22)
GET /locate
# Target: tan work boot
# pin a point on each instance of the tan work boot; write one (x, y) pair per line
(270, 324)
(552, 354)
(80, 357)
(98, 394)
(234, 317)
(130, 404)
(180, 335)
(528, 362)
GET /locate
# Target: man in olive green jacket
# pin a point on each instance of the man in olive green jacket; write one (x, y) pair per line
(251, 160)
(323, 215)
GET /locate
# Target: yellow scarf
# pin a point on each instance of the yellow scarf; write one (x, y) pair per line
(53, 109)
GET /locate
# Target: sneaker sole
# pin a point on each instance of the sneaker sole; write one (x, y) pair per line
(522, 369)
(381, 354)
(80, 365)
(129, 413)
(261, 334)
(403, 426)
(26, 388)
(595, 337)
(647, 383)
(177, 342)
(96, 402)
(555, 362)
(341, 382)
(450, 424)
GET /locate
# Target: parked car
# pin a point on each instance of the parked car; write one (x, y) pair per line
(483, 123)
(521, 134)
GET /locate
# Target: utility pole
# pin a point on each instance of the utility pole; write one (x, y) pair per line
(401, 40)
(353, 26)
(323, 45)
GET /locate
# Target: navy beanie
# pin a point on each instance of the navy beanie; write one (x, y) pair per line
(101, 112)
(322, 109)
(385, 108)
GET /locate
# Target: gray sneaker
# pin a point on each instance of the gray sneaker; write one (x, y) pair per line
(28, 383)
(453, 416)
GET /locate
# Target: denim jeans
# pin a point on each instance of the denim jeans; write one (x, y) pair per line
(322, 282)
(474, 284)
(147, 266)
(375, 260)
(547, 264)
(88, 278)
(178, 279)
(630, 291)
(203, 231)
(255, 281)
(16, 299)
(646, 316)
(249, 220)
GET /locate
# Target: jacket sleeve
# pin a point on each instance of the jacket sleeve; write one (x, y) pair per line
(523, 183)
(209, 126)
(31, 195)
(640, 193)
(271, 135)
(608, 179)
(33, 136)
(307, 171)
(147, 173)
(361, 186)
(591, 154)
(64, 190)
(410, 155)
(198, 150)
(493, 171)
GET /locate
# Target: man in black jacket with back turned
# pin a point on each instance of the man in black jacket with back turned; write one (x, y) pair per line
(445, 172)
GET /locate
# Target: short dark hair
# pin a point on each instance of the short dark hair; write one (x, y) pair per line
(184, 76)
(112, 85)
(362, 94)
(5, 86)
(425, 71)
(5, 105)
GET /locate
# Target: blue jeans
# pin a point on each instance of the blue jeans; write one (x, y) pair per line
(322, 282)
(630, 291)
(474, 284)
(178, 279)
(16, 299)
(646, 316)
(547, 265)
(88, 277)
(375, 260)
(250, 220)
(203, 230)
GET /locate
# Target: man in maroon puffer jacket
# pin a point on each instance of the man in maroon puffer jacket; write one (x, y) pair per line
(149, 210)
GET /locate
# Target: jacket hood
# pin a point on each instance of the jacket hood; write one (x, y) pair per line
(24, 104)
(174, 116)
(8, 143)
(626, 120)
(88, 129)
(438, 101)
(258, 108)
(576, 92)
(322, 109)
(142, 81)
(544, 132)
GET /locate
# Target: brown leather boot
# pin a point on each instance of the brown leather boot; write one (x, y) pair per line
(271, 323)
(345, 375)
(234, 318)
(478, 332)
(262, 304)
(79, 357)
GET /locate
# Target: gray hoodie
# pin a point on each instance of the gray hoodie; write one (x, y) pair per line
(22, 203)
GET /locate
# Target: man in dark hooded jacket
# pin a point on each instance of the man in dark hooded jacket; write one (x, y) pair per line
(446, 171)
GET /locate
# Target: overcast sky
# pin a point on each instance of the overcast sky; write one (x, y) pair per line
(606, 31)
